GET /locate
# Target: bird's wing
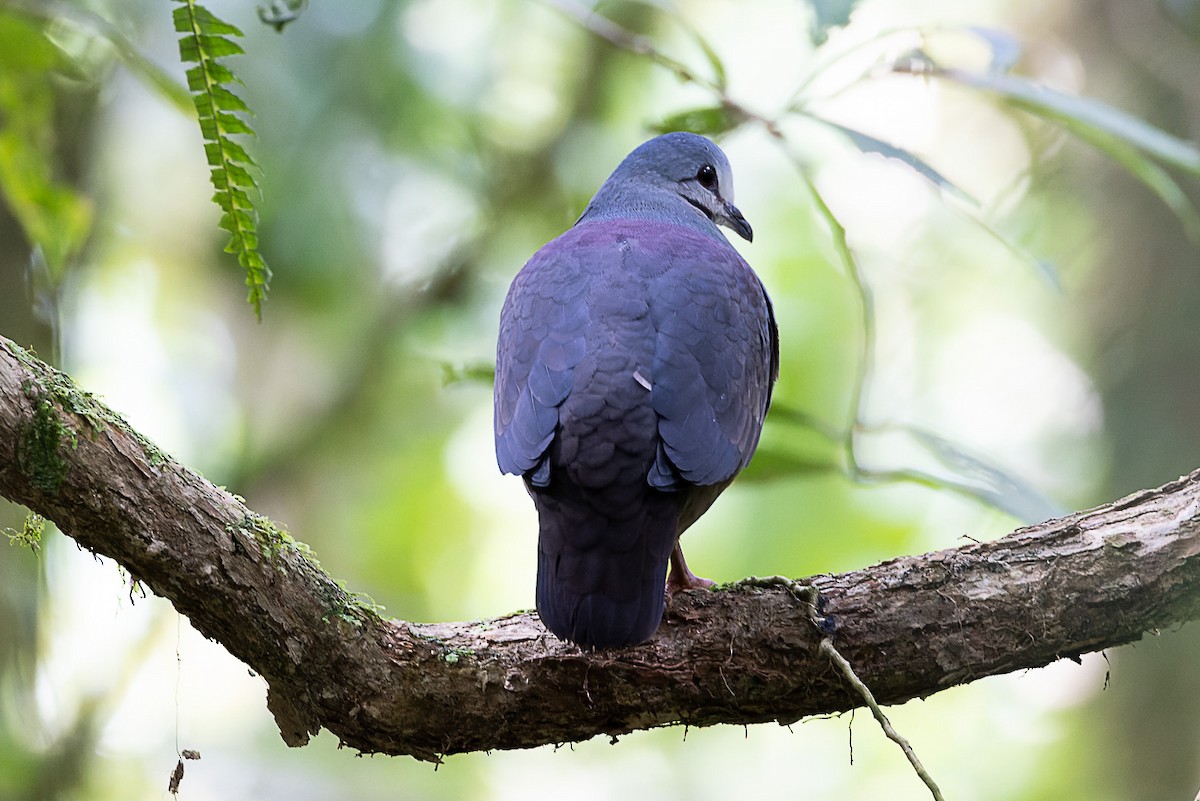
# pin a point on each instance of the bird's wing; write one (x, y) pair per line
(715, 361)
(715, 351)
(542, 328)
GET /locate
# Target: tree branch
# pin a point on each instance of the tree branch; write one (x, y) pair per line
(745, 653)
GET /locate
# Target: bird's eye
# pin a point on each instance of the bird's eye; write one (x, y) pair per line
(707, 176)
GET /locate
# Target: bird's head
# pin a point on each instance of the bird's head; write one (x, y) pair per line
(659, 173)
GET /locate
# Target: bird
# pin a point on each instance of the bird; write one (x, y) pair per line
(635, 362)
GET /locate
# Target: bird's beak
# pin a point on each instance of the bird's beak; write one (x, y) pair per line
(734, 221)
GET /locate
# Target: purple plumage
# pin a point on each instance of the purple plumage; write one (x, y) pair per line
(634, 368)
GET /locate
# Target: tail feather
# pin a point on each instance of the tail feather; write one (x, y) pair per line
(600, 580)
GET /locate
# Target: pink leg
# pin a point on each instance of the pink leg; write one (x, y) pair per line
(680, 578)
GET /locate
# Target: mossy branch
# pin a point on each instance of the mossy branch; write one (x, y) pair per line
(747, 653)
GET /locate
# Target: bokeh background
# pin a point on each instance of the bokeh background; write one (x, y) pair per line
(1031, 345)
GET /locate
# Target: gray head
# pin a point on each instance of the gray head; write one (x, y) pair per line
(679, 177)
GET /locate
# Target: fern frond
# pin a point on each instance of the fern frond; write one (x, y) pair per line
(205, 39)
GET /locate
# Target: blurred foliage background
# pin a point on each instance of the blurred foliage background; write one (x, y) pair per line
(1008, 328)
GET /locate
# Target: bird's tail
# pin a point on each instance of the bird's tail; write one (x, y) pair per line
(601, 580)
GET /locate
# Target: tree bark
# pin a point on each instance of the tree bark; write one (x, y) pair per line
(745, 653)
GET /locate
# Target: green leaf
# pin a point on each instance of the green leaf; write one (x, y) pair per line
(54, 217)
(233, 152)
(61, 15)
(991, 483)
(1081, 113)
(229, 196)
(796, 444)
(218, 46)
(201, 47)
(24, 48)
(182, 19)
(159, 79)
(239, 176)
(1131, 142)
(225, 123)
(237, 221)
(226, 100)
(205, 40)
(191, 18)
(1047, 270)
(708, 121)
(212, 151)
(208, 23)
(233, 125)
(828, 14)
(1154, 177)
(1006, 48)
(240, 199)
(869, 144)
(720, 78)
(189, 53)
(212, 74)
(771, 464)
(482, 372)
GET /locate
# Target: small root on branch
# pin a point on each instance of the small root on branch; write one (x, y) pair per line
(827, 649)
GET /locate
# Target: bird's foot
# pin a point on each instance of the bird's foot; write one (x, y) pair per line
(681, 578)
